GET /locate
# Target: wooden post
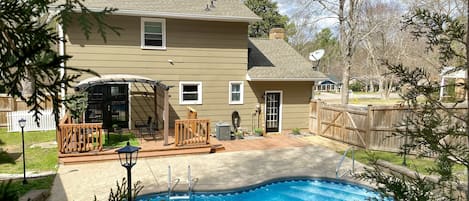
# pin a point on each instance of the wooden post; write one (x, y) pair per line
(310, 119)
(155, 99)
(369, 126)
(343, 131)
(166, 116)
(208, 133)
(318, 117)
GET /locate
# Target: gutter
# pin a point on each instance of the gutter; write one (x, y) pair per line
(249, 78)
(141, 13)
(62, 66)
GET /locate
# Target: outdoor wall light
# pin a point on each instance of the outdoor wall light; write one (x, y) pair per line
(128, 156)
(22, 123)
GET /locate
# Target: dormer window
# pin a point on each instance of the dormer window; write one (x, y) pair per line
(153, 34)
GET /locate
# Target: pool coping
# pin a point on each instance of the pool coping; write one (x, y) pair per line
(346, 181)
(215, 172)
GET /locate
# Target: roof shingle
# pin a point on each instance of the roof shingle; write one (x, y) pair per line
(230, 10)
(276, 59)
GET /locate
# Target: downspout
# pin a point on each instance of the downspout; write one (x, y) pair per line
(62, 68)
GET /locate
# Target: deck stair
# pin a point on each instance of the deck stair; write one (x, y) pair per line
(192, 131)
(144, 153)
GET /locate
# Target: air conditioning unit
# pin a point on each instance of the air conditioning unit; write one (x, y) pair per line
(223, 131)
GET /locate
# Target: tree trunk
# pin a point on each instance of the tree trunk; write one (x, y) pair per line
(343, 50)
(372, 86)
(345, 80)
(381, 85)
(388, 88)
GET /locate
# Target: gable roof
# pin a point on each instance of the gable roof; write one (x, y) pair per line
(276, 60)
(223, 10)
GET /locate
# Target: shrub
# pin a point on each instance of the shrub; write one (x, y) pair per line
(296, 131)
(120, 193)
(357, 86)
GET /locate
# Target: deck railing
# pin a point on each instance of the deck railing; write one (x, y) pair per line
(192, 132)
(82, 137)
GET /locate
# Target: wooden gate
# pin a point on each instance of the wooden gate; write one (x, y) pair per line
(370, 127)
(342, 123)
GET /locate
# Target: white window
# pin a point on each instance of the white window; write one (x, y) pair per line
(236, 92)
(153, 33)
(190, 92)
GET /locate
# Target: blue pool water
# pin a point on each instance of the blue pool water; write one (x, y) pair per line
(288, 190)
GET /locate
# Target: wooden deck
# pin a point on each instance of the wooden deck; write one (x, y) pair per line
(155, 148)
(150, 147)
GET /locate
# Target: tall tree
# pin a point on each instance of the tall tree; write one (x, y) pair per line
(268, 11)
(431, 127)
(384, 42)
(348, 15)
(322, 40)
(27, 47)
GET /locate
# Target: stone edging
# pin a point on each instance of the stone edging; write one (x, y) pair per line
(413, 174)
(4, 177)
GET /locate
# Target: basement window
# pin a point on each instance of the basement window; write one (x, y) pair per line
(190, 92)
(153, 33)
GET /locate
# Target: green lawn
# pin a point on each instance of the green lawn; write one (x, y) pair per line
(36, 183)
(116, 141)
(420, 165)
(33, 137)
(37, 159)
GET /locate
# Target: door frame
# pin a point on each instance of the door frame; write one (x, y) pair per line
(107, 86)
(280, 109)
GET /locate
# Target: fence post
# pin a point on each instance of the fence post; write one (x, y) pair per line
(318, 116)
(310, 117)
(369, 126)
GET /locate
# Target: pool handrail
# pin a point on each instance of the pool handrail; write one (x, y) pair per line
(177, 180)
(189, 180)
(352, 171)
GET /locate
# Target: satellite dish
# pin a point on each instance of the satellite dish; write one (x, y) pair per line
(316, 55)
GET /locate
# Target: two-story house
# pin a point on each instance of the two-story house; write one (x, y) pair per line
(200, 49)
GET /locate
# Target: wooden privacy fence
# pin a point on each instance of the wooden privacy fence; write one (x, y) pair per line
(370, 127)
(46, 122)
(84, 137)
(9, 104)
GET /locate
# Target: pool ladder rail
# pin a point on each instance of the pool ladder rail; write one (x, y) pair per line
(176, 182)
(339, 165)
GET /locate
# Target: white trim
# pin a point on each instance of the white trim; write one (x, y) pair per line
(249, 78)
(141, 13)
(327, 80)
(280, 109)
(241, 96)
(142, 33)
(199, 93)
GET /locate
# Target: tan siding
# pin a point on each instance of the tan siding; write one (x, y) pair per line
(295, 102)
(213, 53)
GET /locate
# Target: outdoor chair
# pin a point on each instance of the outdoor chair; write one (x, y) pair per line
(146, 128)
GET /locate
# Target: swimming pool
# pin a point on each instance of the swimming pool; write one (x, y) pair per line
(284, 190)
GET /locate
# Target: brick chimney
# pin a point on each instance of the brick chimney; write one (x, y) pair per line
(277, 33)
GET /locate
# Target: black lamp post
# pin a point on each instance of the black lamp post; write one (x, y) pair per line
(22, 123)
(128, 156)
